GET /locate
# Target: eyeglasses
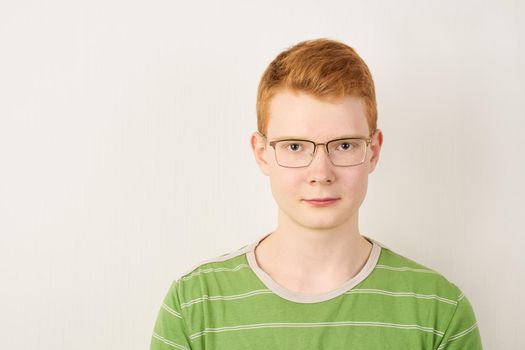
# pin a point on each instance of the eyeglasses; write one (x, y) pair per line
(299, 153)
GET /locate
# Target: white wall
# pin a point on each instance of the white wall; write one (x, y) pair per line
(124, 153)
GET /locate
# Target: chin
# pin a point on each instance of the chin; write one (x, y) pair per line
(321, 223)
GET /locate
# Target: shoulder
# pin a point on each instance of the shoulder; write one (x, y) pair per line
(406, 274)
(411, 288)
(212, 273)
(421, 293)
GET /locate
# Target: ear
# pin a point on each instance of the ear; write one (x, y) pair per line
(258, 144)
(375, 149)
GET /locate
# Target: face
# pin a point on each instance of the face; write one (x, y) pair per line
(306, 117)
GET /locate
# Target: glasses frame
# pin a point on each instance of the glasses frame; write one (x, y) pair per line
(325, 144)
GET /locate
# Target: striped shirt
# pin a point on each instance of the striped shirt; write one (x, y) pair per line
(230, 303)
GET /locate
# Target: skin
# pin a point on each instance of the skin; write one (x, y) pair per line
(315, 249)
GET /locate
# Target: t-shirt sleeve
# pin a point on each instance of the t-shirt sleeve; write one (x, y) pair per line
(170, 331)
(462, 332)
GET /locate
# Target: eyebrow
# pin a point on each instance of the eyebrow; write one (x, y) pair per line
(348, 136)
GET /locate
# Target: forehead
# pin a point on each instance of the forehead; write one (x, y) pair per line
(298, 114)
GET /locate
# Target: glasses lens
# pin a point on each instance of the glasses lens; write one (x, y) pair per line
(347, 152)
(292, 153)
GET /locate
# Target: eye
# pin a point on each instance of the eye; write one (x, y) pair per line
(293, 147)
(345, 145)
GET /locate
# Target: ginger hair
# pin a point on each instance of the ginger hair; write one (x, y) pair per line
(325, 68)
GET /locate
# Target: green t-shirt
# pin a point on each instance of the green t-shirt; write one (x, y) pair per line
(230, 303)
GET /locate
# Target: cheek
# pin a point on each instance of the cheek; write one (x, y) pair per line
(355, 181)
(285, 184)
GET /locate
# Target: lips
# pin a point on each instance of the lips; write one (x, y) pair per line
(327, 199)
(321, 202)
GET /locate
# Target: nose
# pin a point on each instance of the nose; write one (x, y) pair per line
(321, 168)
(320, 152)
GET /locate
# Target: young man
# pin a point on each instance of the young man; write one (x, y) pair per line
(315, 282)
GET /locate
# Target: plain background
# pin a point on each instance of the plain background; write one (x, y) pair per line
(125, 158)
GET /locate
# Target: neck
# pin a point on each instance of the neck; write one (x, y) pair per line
(313, 253)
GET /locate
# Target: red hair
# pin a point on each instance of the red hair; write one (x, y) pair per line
(324, 68)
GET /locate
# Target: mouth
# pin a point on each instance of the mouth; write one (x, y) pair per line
(326, 199)
(320, 202)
